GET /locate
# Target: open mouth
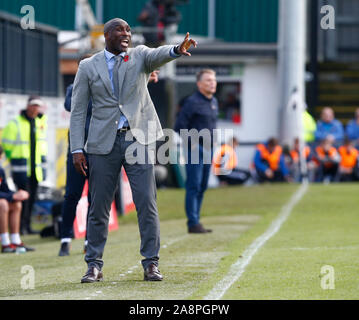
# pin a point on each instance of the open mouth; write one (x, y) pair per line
(125, 43)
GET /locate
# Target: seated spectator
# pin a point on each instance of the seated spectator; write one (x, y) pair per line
(329, 126)
(348, 165)
(10, 212)
(294, 166)
(269, 162)
(327, 159)
(225, 164)
(352, 129)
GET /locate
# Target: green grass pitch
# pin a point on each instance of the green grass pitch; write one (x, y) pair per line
(323, 229)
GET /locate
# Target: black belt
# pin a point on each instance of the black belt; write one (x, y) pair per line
(123, 129)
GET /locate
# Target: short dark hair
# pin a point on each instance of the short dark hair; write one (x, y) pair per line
(111, 24)
(233, 140)
(272, 142)
(202, 72)
(1, 150)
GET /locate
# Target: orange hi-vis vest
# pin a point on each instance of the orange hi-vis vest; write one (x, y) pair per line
(295, 154)
(320, 153)
(272, 158)
(224, 159)
(348, 157)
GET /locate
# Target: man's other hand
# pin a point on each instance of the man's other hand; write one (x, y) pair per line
(185, 45)
(154, 76)
(80, 163)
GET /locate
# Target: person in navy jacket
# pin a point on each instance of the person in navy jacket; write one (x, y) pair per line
(74, 185)
(199, 111)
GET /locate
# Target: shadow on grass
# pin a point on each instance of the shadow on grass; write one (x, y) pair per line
(69, 288)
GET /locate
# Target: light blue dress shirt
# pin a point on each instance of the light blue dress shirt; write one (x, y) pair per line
(110, 61)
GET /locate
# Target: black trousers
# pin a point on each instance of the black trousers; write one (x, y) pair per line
(278, 177)
(74, 185)
(30, 185)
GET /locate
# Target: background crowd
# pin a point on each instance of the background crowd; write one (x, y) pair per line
(329, 153)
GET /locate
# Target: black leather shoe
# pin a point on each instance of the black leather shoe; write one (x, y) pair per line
(65, 249)
(198, 228)
(92, 275)
(152, 273)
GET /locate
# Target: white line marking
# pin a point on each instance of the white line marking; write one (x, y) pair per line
(325, 248)
(237, 269)
(171, 242)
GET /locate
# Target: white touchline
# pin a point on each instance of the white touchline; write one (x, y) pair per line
(237, 269)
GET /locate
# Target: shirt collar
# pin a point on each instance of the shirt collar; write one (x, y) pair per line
(109, 55)
(203, 96)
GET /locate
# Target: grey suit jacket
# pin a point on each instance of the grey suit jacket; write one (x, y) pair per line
(93, 81)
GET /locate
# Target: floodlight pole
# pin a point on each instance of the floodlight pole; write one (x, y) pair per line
(99, 11)
(291, 71)
(211, 19)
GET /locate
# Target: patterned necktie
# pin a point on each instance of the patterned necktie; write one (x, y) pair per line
(115, 75)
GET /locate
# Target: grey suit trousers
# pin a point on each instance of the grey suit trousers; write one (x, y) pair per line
(104, 173)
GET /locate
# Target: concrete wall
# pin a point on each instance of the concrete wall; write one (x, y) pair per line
(260, 109)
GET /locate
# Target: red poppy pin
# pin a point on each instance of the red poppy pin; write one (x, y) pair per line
(125, 59)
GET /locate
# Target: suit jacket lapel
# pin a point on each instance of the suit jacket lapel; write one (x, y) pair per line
(102, 69)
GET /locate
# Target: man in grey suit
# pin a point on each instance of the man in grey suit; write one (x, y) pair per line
(123, 122)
